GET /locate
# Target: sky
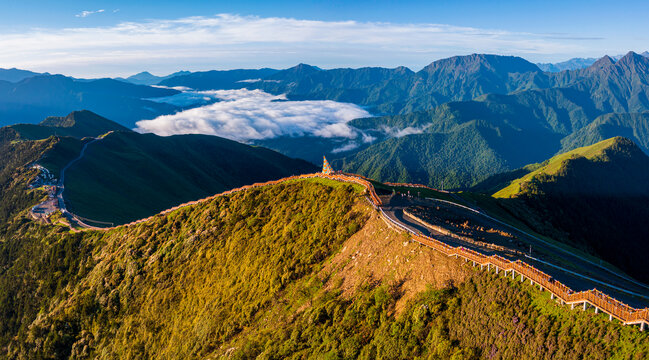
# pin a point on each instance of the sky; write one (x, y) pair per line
(119, 38)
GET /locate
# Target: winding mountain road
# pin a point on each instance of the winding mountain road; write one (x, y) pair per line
(577, 272)
(61, 188)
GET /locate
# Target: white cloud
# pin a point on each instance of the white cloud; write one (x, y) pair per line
(232, 41)
(367, 138)
(86, 13)
(349, 146)
(246, 115)
(396, 132)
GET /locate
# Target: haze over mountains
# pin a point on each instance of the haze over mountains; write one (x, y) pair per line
(32, 99)
(512, 112)
(575, 63)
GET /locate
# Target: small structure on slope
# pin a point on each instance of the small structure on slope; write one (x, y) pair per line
(326, 168)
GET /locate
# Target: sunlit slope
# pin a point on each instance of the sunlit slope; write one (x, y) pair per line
(557, 164)
(634, 126)
(595, 197)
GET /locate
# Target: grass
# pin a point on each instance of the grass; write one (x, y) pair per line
(554, 165)
(239, 277)
(332, 183)
(62, 153)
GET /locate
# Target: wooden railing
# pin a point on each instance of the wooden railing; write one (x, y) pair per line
(607, 304)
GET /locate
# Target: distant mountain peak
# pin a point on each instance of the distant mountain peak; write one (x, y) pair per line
(143, 73)
(82, 119)
(571, 64)
(631, 57)
(295, 72)
(604, 62)
(146, 78)
(478, 62)
(305, 68)
(16, 75)
(71, 119)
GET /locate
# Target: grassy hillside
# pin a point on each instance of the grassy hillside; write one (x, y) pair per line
(299, 270)
(78, 124)
(556, 164)
(128, 176)
(460, 143)
(594, 197)
(633, 126)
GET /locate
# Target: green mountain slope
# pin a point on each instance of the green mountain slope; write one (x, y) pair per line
(127, 176)
(530, 126)
(461, 143)
(558, 164)
(634, 126)
(78, 124)
(425, 158)
(299, 270)
(15, 175)
(594, 197)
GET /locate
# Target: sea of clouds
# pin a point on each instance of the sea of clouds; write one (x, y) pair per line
(246, 115)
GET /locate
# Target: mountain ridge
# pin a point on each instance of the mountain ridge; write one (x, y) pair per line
(146, 78)
(78, 124)
(592, 197)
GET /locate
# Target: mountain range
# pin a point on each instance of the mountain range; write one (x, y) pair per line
(146, 78)
(462, 143)
(32, 99)
(16, 75)
(550, 162)
(576, 63)
(457, 121)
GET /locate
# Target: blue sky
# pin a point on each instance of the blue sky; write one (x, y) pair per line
(95, 38)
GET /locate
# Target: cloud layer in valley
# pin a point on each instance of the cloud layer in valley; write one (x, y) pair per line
(233, 41)
(246, 115)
